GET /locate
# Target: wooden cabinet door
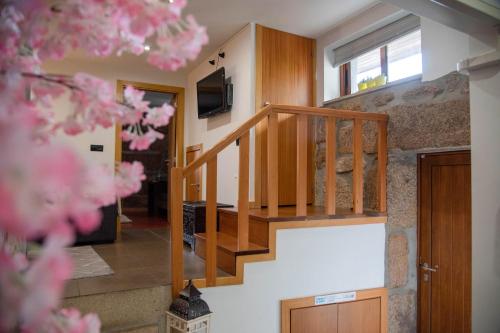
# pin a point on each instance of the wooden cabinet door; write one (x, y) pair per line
(193, 181)
(318, 319)
(285, 67)
(445, 243)
(359, 317)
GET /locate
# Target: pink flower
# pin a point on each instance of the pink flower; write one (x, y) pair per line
(142, 142)
(128, 178)
(159, 116)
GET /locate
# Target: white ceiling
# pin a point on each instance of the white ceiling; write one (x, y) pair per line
(310, 18)
(224, 18)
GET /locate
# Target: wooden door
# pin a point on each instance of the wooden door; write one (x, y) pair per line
(285, 67)
(193, 181)
(444, 243)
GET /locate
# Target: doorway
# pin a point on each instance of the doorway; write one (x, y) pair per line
(150, 206)
(444, 242)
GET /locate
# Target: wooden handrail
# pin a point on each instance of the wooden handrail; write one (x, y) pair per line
(230, 138)
(315, 111)
(271, 112)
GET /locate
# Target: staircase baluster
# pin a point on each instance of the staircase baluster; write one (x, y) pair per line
(272, 165)
(301, 183)
(357, 173)
(211, 223)
(331, 143)
(243, 183)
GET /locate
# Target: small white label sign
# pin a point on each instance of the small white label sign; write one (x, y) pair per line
(335, 298)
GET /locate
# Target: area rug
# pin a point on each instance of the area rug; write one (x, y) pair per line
(87, 263)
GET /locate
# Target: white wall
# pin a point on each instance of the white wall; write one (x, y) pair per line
(239, 64)
(309, 262)
(485, 131)
(444, 47)
(113, 69)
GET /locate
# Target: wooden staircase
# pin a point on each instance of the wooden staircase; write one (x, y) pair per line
(249, 235)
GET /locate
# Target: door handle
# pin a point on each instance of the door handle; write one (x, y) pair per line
(425, 266)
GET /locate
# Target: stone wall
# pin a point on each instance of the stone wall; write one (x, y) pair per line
(423, 117)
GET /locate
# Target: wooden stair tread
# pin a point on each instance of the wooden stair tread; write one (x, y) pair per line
(230, 244)
(287, 213)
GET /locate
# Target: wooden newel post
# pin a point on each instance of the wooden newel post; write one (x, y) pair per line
(176, 241)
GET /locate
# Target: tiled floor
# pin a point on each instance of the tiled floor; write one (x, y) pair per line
(140, 258)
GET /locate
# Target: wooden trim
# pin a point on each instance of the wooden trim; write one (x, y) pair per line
(382, 166)
(211, 223)
(259, 127)
(357, 172)
(230, 138)
(301, 181)
(345, 79)
(288, 305)
(243, 184)
(273, 228)
(272, 164)
(384, 63)
(331, 173)
(176, 242)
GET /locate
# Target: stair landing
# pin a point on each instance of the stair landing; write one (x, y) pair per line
(288, 213)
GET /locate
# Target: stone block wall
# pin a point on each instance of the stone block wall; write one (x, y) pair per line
(423, 117)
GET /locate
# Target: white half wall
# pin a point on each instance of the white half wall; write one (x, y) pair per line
(239, 64)
(485, 140)
(309, 262)
(110, 69)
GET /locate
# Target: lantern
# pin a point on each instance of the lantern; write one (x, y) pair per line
(188, 312)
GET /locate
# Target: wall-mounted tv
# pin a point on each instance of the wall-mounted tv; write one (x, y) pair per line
(212, 94)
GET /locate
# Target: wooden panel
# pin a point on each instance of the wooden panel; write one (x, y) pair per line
(211, 223)
(357, 172)
(365, 315)
(272, 164)
(331, 173)
(194, 180)
(284, 74)
(176, 242)
(301, 183)
(445, 242)
(382, 166)
(243, 180)
(359, 316)
(319, 319)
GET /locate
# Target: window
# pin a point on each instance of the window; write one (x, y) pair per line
(368, 65)
(404, 57)
(396, 60)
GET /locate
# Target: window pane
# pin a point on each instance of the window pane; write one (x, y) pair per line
(368, 65)
(404, 56)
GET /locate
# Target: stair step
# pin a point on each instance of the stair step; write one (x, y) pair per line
(227, 250)
(229, 243)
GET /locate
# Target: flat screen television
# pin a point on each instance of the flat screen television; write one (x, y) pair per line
(211, 94)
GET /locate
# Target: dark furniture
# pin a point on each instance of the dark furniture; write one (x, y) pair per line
(157, 197)
(107, 230)
(194, 219)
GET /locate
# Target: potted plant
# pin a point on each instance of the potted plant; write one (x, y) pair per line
(362, 85)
